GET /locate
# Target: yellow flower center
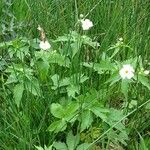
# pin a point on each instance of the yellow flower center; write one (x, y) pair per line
(126, 71)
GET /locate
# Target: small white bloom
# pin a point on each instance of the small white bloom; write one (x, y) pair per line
(39, 28)
(44, 45)
(86, 24)
(81, 15)
(126, 72)
(120, 39)
(146, 72)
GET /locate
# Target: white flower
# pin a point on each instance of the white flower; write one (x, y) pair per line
(126, 72)
(44, 45)
(120, 39)
(81, 15)
(146, 72)
(39, 28)
(86, 24)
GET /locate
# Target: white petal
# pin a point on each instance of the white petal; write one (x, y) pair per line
(120, 39)
(122, 73)
(126, 71)
(44, 45)
(130, 75)
(146, 72)
(86, 24)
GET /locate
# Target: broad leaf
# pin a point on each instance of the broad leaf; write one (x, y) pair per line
(56, 58)
(72, 90)
(88, 41)
(83, 78)
(75, 48)
(18, 91)
(12, 79)
(72, 141)
(60, 146)
(141, 78)
(70, 112)
(43, 67)
(100, 112)
(104, 65)
(83, 146)
(39, 148)
(64, 82)
(57, 126)
(55, 79)
(33, 86)
(114, 117)
(57, 110)
(87, 119)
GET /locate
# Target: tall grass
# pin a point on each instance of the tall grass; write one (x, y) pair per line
(23, 128)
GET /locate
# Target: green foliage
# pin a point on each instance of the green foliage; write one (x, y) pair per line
(45, 148)
(66, 114)
(72, 96)
(144, 80)
(71, 143)
(18, 92)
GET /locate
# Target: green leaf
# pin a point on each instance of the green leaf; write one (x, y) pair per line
(132, 104)
(55, 79)
(118, 137)
(39, 148)
(114, 117)
(88, 41)
(72, 141)
(48, 148)
(88, 65)
(117, 49)
(57, 126)
(83, 146)
(63, 39)
(35, 43)
(123, 136)
(18, 91)
(12, 79)
(113, 78)
(87, 119)
(56, 58)
(43, 67)
(104, 65)
(60, 146)
(45, 147)
(70, 111)
(32, 85)
(83, 78)
(6, 44)
(124, 87)
(57, 110)
(72, 90)
(100, 112)
(144, 80)
(64, 82)
(75, 48)
(147, 106)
